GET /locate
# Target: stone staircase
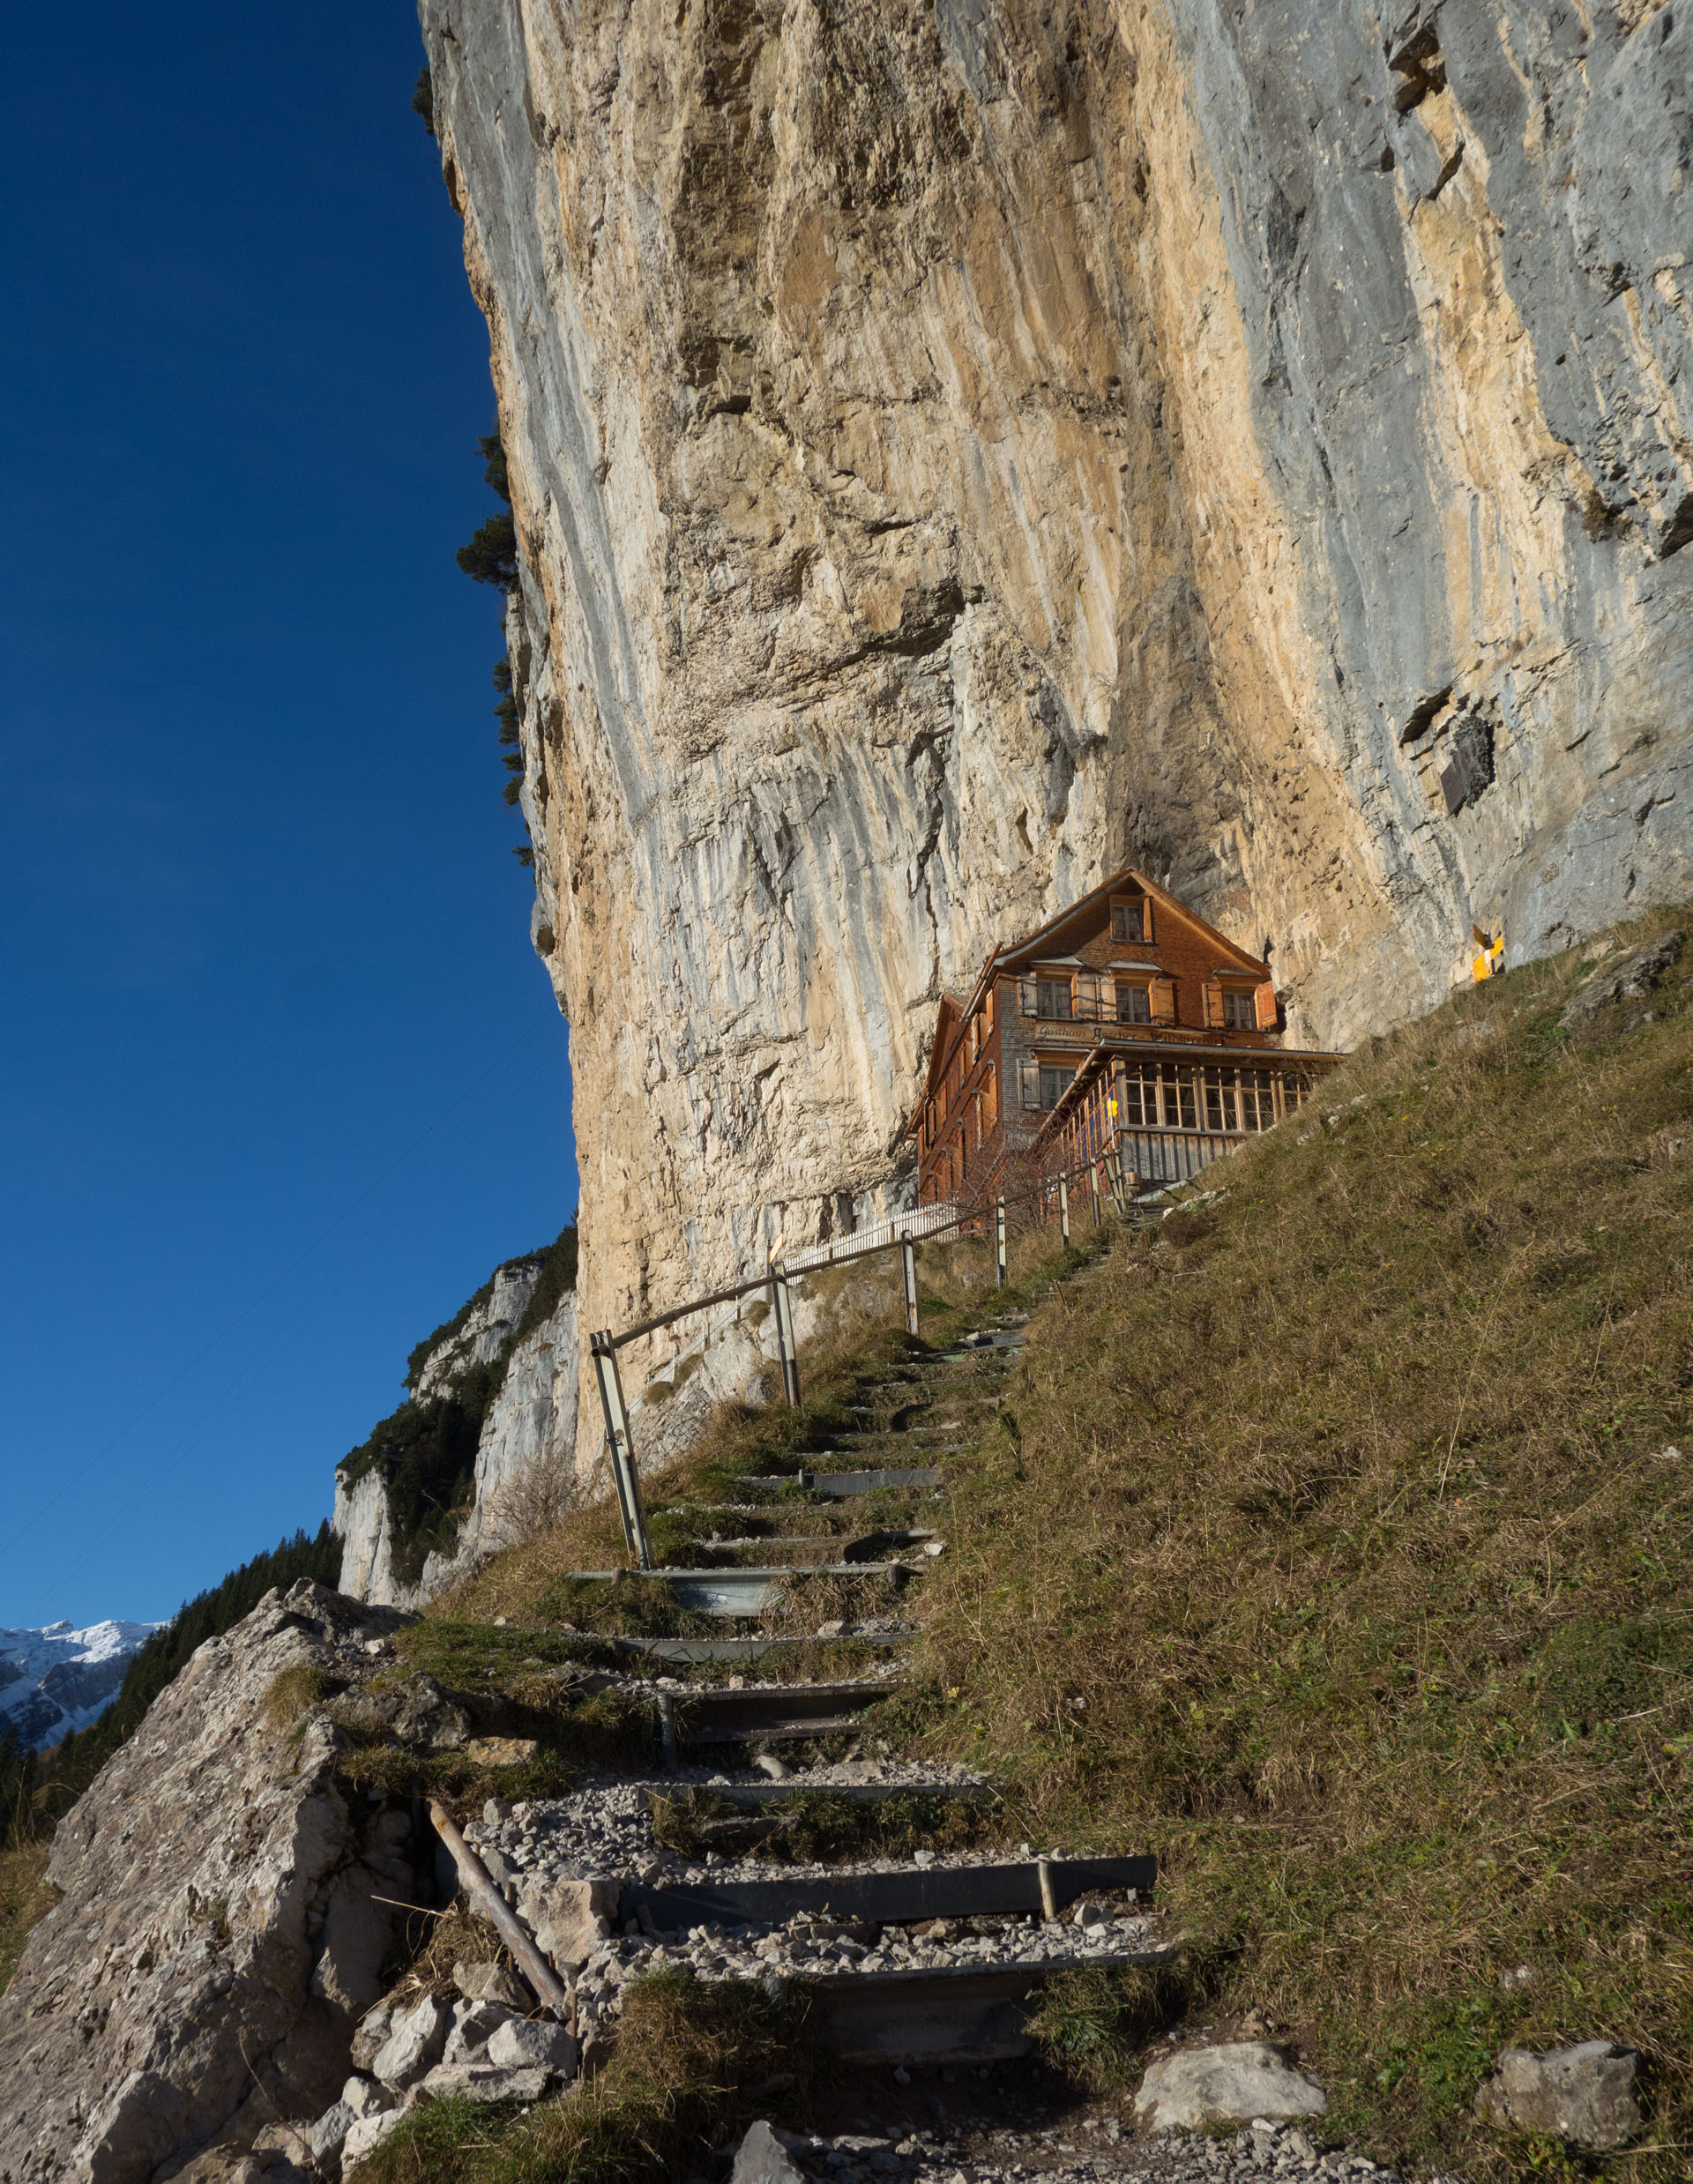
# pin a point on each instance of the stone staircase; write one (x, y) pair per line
(929, 1957)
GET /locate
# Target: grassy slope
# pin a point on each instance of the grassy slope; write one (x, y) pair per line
(1335, 1551)
(1332, 1550)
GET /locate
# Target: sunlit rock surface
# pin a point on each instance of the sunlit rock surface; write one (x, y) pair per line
(955, 450)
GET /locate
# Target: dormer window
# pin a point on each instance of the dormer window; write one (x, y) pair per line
(1240, 1011)
(1129, 921)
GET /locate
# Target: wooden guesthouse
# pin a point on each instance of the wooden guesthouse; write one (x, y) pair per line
(1126, 1025)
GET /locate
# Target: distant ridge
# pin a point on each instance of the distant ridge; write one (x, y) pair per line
(55, 1680)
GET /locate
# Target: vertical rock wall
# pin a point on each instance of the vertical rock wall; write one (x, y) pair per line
(525, 1458)
(957, 448)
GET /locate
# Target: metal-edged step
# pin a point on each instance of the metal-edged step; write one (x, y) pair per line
(910, 1395)
(843, 1485)
(715, 1715)
(901, 1898)
(955, 2013)
(872, 1546)
(751, 1797)
(692, 1651)
(736, 1592)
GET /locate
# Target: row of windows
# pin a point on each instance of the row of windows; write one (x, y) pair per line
(981, 1115)
(1176, 1096)
(1090, 997)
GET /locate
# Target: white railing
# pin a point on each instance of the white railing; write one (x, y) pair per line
(915, 1222)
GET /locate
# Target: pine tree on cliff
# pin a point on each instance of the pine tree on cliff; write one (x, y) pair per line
(491, 557)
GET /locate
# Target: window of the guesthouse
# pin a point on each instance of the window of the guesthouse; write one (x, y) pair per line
(1056, 1077)
(1240, 1011)
(1257, 1100)
(1133, 1003)
(1053, 999)
(1129, 921)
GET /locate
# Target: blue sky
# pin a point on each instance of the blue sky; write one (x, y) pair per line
(280, 1077)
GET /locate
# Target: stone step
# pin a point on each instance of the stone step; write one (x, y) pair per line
(874, 1546)
(753, 1797)
(844, 1485)
(956, 2014)
(713, 1714)
(903, 1897)
(738, 1592)
(690, 1651)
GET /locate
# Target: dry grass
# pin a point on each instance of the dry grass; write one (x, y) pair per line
(296, 1693)
(1335, 1549)
(436, 1942)
(26, 1898)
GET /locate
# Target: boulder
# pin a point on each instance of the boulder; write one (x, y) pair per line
(365, 2097)
(217, 1908)
(569, 1919)
(414, 2047)
(329, 2129)
(525, 2043)
(1635, 975)
(472, 2023)
(365, 2136)
(373, 2028)
(1583, 2094)
(762, 2158)
(488, 1982)
(1230, 2084)
(485, 2081)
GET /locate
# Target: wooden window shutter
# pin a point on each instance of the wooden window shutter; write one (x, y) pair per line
(989, 1098)
(1213, 1005)
(1028, 1081)
(1163, 1001)
(1266, 999)
(1146, 919)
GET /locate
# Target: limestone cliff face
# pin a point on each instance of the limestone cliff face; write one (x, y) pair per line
(955, 449)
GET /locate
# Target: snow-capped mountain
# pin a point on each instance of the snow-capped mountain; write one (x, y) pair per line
(57, 1680)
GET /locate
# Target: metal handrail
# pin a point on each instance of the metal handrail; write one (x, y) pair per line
(604, 1344)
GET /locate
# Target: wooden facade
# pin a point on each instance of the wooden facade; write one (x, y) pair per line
(1126, 1025)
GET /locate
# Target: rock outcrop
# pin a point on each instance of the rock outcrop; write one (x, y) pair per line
(955, 451)
(218, 1934)
(1584, 2094)
(1197, 2087)
(525, 1458)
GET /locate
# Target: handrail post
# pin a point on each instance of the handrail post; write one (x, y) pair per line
(782, 1305)
(626, 1478)
(999, 1237)
(1063, 1210)
(910, 1257)
(1093, 1185)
